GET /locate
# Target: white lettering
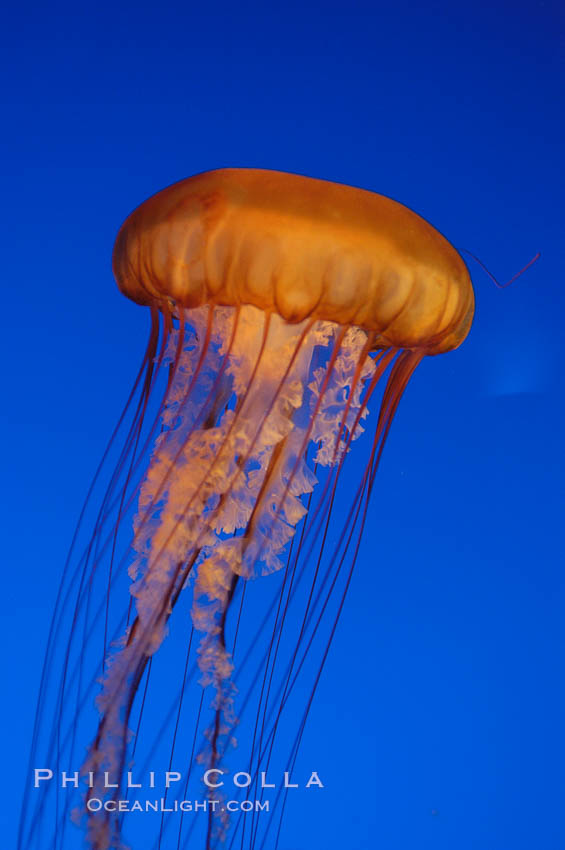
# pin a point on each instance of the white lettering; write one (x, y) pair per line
(107, 783)
(42, 773)
(315, 780)
(69, 780)
(207, 775)
(264, 783)
(171, 776)
(131, 783)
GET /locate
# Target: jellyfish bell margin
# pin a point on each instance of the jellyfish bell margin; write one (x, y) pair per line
(282, 307)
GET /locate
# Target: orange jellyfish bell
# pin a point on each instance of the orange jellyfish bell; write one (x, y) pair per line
(282, 309)
(299, 247)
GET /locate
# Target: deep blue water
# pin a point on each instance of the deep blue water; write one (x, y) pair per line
(437, 723)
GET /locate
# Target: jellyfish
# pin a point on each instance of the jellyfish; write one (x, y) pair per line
(283, 308)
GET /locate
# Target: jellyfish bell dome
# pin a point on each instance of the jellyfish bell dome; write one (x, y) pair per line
(300, 248)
